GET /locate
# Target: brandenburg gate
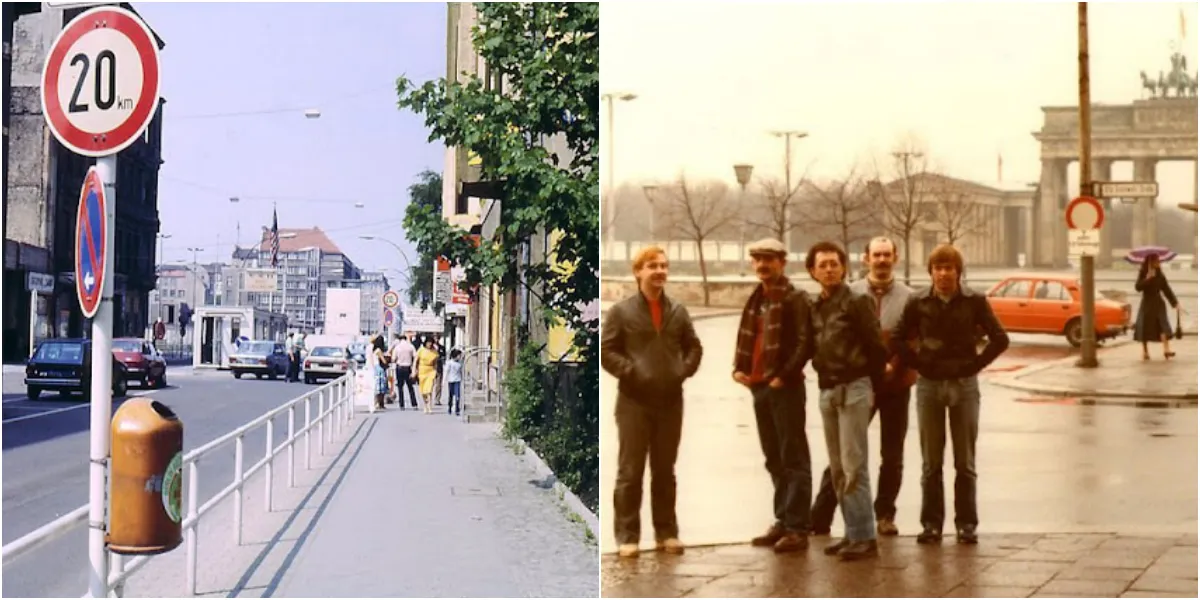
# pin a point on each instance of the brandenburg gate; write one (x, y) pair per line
(1160, 128)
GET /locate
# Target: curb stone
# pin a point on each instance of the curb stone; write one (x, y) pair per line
(573, 503)
(1013, 381)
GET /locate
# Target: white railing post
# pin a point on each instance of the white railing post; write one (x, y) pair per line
(307, 432)
(116, 564)
(193, 531)
(291, 446)
(321, 423)
(350, 400)
(337, 413)
(239, 457)
(270, 460)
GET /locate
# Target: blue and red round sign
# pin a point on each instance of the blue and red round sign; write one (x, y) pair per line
(389, 317)
(91, 237)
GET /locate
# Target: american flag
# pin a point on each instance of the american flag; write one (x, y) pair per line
(274, 238)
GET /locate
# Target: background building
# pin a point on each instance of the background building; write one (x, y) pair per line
(313, 263)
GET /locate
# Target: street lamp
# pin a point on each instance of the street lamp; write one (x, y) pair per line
(367, 236)
(787, 136)
(609, 204)
(743, 173)
(312, 113)
(649, 190)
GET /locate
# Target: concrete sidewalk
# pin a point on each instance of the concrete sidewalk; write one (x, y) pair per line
(1101, 565)
(402, 504)
(1122, 374)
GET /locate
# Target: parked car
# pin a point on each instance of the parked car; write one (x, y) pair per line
(326, 362)
(143, 362)
(358, 353)
(64, 365)
(259, 357)
(1053, 304)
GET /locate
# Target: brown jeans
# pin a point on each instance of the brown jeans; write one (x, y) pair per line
(643, 431)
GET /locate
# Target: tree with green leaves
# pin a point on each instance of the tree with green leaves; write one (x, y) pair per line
(425, 198)
(537, 135)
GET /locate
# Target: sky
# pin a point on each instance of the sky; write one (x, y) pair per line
(968, 80)
(342, 59)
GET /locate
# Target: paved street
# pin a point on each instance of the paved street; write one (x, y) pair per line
(1043, 466)
(45, 461)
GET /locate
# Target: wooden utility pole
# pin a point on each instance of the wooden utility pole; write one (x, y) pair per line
(1087, 263)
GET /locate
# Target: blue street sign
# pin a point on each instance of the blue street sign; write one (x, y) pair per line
(91, 233)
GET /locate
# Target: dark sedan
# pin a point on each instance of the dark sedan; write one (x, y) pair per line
(65, 366)
(142, 360)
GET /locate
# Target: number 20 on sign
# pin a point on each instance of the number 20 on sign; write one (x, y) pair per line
(101, 81)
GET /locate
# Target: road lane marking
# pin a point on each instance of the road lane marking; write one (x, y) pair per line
(59, 410)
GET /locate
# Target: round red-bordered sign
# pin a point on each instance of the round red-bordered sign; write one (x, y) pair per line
(391, 299)
(98, 59)
(1078, 221)
(91, 244)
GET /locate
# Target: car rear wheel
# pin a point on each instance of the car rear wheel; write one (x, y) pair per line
(309, 379)
(120, 388)
(1074, 332)
(32, 393)
(237, 374)
(271, 374)
(161, 382)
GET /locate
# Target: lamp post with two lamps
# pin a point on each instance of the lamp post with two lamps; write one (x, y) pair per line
(608, 198)
(743, 173)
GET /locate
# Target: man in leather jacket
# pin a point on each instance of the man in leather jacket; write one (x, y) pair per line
(773, 344)
(849, 361)
(891, 396)
(945, 320)
(648, 343)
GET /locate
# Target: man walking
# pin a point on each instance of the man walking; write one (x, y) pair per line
(648, 343)
(945, 320)
(773, 344)
(293, 372)
(891, 396)
(849, 357)
(402, 357)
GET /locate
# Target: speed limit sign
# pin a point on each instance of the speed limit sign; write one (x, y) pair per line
(101, 80)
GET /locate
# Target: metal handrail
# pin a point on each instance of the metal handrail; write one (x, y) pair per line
(331, 415)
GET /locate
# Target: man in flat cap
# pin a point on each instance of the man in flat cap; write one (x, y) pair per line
(773, 344)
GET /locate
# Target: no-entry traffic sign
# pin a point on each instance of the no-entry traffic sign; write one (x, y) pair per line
(1085, 212)
(391, 299)
(91, 235)
(101, 80)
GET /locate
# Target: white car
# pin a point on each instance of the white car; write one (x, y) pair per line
(325, 362)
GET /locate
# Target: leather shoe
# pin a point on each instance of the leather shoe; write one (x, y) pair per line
(835, 549)
(859, 550)
(791, 542)
(887, 527)
(967, 535)
(929, 536)
(770, 538)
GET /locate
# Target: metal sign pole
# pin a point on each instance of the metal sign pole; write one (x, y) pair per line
(1087, 265)
(33, 297)
(101, 393)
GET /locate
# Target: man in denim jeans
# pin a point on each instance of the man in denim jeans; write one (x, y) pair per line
(945, 321)
(773, 343)
(849, 357)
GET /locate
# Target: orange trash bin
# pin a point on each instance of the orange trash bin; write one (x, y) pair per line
(146, 479)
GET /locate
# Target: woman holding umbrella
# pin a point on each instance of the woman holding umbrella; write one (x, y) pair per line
(1152, 322)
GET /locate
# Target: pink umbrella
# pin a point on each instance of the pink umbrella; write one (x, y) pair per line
(1138, 256)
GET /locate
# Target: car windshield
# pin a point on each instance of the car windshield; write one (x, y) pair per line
(60, 352)
(259, 348)
(358, 348)
(327, 351)
(127, 345)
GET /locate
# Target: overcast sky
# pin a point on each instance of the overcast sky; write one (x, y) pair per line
(340, 58)
(966, 78)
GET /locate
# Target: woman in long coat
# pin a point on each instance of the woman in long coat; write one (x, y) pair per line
(427, 358)
(1152, 322)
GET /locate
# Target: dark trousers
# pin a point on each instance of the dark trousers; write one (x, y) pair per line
(404, 380)
(645, 431)
(892, 408)
(455, 391)
(955, 401)
(294, 367)
(780, 415)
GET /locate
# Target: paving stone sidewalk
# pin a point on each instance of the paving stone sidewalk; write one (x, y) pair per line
(1102, 565)
(1122, 374)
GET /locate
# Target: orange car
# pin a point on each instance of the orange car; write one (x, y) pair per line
(1053, 304)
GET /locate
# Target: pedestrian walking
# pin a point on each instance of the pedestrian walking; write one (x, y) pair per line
(427, 373)
(402, 357)
(945, 321)
(293, 372)
(648, 344)
(379, 365)
(454, 382)
(1152, 322)
(891, 396)
(849, 358)
(774, 343)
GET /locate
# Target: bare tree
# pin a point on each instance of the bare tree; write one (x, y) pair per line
(902, 199)
(779, 208)
(694, 212)
(842, 209)
(956, 214)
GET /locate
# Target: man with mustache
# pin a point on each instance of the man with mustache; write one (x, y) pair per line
(648, 343)
(849, 359)
(944, 320)
(773, 344)
(891, 396)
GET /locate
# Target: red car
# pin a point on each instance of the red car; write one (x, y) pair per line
(142, 360)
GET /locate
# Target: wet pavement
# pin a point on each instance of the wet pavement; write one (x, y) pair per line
(1044, 466)
(1122, 374)
(1013, 565)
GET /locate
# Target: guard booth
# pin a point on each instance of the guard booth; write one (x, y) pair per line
(217, 329)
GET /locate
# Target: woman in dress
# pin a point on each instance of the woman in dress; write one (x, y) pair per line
(1152, 322)
(427, 358)
(379, 358)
